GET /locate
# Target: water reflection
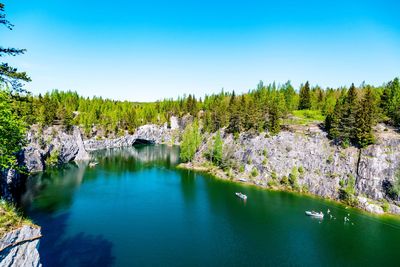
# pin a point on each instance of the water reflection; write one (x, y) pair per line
(53, 189)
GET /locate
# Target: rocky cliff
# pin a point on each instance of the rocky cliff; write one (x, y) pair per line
(313, 162)
(20, 247)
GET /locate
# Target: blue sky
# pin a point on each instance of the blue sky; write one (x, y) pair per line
(148, 50)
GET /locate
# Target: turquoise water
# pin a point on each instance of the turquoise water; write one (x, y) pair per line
(136, 209)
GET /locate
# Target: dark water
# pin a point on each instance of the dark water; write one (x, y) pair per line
(135, 209)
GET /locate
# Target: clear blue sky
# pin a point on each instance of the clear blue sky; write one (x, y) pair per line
(148, 50)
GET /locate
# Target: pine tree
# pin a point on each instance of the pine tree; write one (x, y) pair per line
(10, 75)
(234, 118)
(348, 117)
(305, 97)
(365, 119)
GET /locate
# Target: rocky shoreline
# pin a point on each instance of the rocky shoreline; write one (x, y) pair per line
(308, 159)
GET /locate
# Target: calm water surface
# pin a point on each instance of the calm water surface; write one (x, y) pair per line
(136, 209)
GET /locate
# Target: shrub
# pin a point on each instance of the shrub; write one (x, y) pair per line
(265, 162)
(265, 153)
(53, 158)
(249, 160)
(301, 170)
(385, 206)
(347, 191)
(284, 180)
(394, 190)
(241, 168)
(272, 183)
(254, 172)
(191, 140)
(274, 176)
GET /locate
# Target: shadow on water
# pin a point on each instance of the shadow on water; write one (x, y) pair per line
(77, 250)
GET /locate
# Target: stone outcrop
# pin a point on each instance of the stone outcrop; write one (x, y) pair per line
(150, 133)
(320, 166)
(53, 140)
(20, 247)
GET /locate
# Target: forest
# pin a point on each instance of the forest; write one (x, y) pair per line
(350, 113)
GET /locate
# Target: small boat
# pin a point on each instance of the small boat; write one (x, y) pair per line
(242, 196)
(315, 214)
(93, 164)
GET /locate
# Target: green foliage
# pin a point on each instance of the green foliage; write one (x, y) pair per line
(217, 149)
(52, 159)
(385, 206)
(366, 117)
(241, 169)
(254, 172)
(293, 177)
(347, 190)
(274, 176)
(265, 161)
(301, 170)
(10, 75)
(305, 97)
(284, 181)
(394, 190)
(12, 132)
(191, 140)
(390, 101)
(353, 117)
(307, 116)
(10, 218)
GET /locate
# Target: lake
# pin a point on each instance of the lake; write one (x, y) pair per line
(136, 209)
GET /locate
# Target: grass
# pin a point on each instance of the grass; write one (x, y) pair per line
(304, 117)
(10, 218)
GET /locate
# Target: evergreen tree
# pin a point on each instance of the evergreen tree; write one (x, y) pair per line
(8, 74)
(234, 118)
(347, 126)
(305, 97)
(366, 119)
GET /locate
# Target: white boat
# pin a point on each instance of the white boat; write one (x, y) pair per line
(315, 214)
(242, 196)
(93, 164)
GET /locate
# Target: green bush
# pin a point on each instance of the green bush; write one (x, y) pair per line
(52, 159)
(347, 191)
(274, 176)
(301, 170)
(241, 168)
(254, 172)
(191, 140)
(272, 183)
(284, 180)
(385, 206)
(265, 161)
(394, 190)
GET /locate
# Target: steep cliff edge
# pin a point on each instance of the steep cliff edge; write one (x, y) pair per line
(305, 160)
(20, 247)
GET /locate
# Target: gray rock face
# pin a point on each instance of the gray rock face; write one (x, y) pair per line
(82, 153)
(147, 133)
(319, 164)
(19, 248)
(68, 147)
(368, 206)
(9, 181)
(378, 166)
